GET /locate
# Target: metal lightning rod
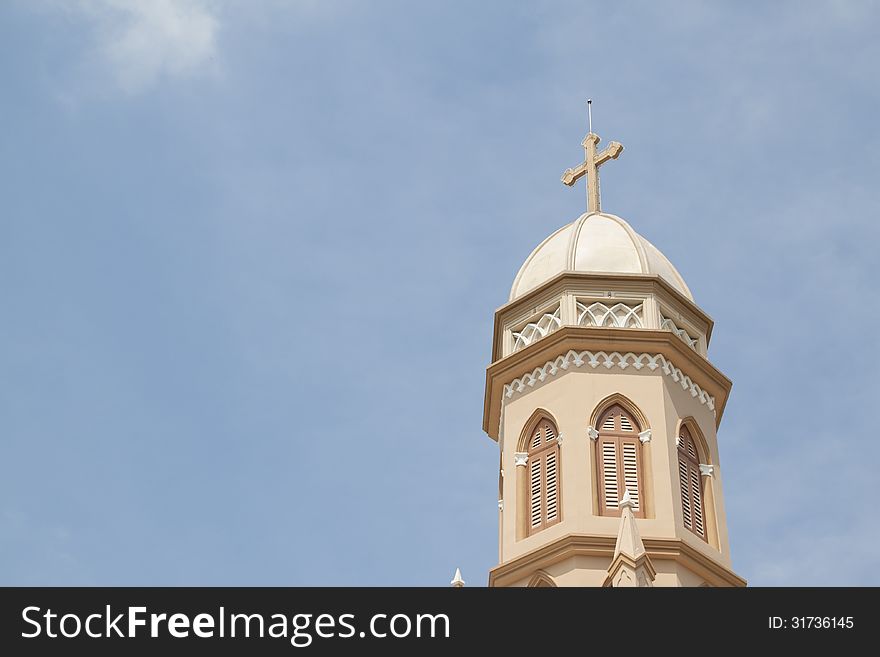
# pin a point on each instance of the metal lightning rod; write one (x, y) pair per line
(586, 154)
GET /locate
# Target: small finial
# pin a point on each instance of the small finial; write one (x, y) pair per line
(590, 113)
(457, 582)
(626, 501)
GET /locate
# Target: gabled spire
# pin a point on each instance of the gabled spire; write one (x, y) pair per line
(457, 581)
(630, 566)
(629, 541)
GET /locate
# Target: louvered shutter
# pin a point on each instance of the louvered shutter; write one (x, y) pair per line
(535, 483)
(609, 424)
(619, 451)
(551, 486)
(543, 472)
(690, 481)
(631, 473)
(610, 488)
(684, 480)
(697, 500)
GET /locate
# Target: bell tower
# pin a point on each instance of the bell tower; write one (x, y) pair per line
(605, 407)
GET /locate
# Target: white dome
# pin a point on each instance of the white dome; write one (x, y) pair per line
(595, 243)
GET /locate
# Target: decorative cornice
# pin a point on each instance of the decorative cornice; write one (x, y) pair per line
(603, 546)
(601, 341)
(645, 436)
(695, 560)
(608, 361)
(707, 470)
(520, 458)
(553, 552)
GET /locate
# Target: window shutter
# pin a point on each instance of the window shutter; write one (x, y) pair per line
(609, 473)
(696, 496)
(631, 473)
(683, 479)
(550, 477)
(690, 481)
(535, 497)
(543, 476)
(618, 461)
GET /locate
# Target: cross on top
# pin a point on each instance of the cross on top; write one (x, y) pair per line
(590, 168)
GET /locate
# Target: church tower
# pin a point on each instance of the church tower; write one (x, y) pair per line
(605, 407)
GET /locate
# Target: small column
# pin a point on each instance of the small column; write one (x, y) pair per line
(521, 461)
(568, 309)
(650, 313)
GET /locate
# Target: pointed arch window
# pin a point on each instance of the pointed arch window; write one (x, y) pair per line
(691, 482)
(543, 476)
(619, 460)
(541, 580)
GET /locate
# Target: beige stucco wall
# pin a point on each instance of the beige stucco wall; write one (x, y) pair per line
(576, 571)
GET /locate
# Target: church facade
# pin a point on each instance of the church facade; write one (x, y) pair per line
(605, 407)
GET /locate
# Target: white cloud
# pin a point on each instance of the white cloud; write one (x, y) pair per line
(142, 41)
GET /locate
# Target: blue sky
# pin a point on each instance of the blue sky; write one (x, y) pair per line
(250, 255)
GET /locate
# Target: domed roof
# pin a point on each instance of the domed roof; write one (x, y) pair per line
(596, 242)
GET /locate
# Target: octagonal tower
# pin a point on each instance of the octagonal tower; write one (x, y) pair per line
(605, 407)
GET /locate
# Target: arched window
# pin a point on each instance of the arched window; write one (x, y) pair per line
(619, 461)
(691, 481)
(543, 464)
